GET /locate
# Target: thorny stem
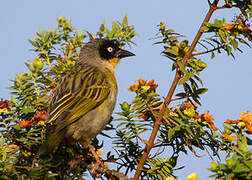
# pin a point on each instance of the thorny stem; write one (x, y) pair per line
(188, 55)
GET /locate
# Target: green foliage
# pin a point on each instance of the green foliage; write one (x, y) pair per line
(239, 166)
(161, 167)
(121, 32)
(227, 36)
(182, 128)
(175, 50)
(235, 141)
(130, 128)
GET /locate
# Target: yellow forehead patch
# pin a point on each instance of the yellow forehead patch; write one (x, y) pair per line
(114, 61)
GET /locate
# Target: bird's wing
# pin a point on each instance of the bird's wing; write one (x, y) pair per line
(82, 90)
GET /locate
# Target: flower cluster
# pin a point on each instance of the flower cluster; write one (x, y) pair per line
(244, 121)
(206, 118)
(241, 25)
(38, 118)
(5, 106)
(141, 83)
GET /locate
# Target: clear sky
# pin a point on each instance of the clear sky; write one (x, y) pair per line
(229, 81)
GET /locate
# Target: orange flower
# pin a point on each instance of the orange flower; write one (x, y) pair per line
(245, 117)
(24, 124)
(188, 104)
(228, 27)
(140, 83)
(133, 87)
(39, 116)
(228, 121)
(144, 116)
(231, 138)
(5, 106)
(249, 127)
(197, 116)
(152, 84)
(212, 126)
(209, 119)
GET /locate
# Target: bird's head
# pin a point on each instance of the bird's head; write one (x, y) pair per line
(101, 52)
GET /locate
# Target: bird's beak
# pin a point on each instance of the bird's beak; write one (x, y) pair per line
(121, 53)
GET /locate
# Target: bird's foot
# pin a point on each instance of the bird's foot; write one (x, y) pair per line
(94, 172)
(97, 164)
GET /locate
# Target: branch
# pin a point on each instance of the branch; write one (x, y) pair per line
(177, 77)
(106, 171)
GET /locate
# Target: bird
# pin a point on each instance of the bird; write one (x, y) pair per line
(84, 100)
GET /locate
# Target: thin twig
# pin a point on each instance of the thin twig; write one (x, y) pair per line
(152, 112)
(209, 3)
(177, 77)
(158, 151)
(134, 159)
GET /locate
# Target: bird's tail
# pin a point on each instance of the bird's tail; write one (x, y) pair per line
(51, 144)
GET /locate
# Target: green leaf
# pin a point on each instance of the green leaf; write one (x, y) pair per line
(184, 44)
(244, 42)
(34, 43)
(183, 80)
(171, 131)
(234, 43)
(201, 90)
(182, 95)
(182, 67)
(205, 28)
(125, 21)
(125, 106)
(243, 144)
(14, 101)
(90, 35)
(212, 55)
(2, 142)
(221, 35)
(173, 50)
(229, 50)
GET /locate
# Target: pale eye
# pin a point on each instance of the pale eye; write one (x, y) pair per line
(110, 49)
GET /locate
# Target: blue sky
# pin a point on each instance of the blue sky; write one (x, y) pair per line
(228, 80)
